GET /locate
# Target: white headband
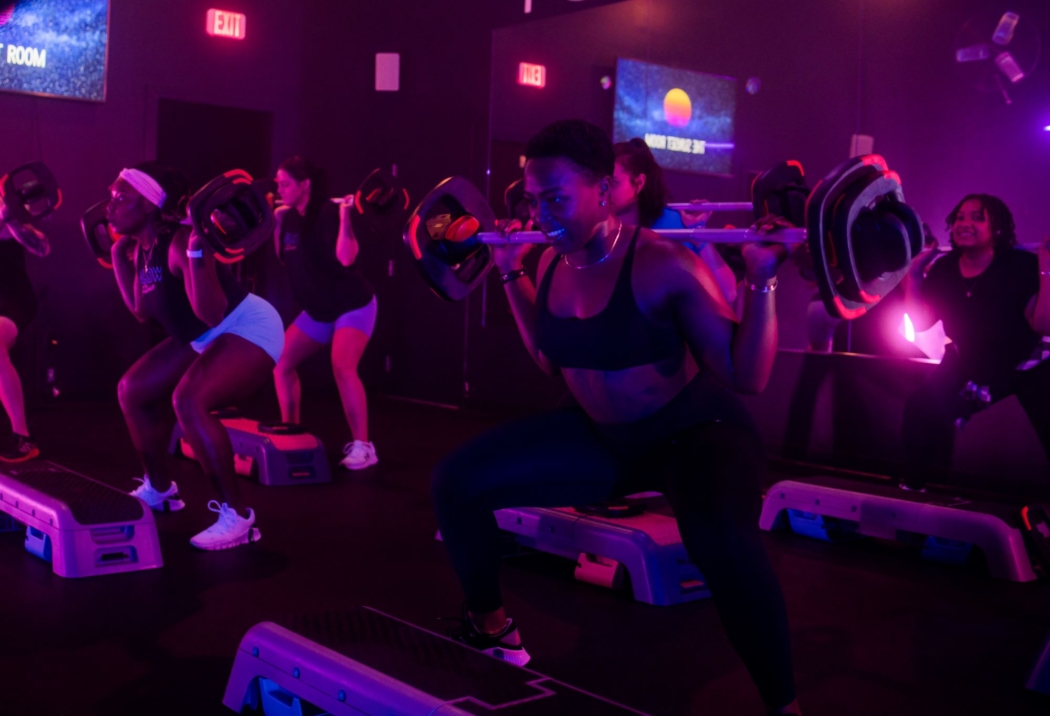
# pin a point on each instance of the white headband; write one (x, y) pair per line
(146, 185)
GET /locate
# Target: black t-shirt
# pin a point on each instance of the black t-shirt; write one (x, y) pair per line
(322, 286)
(985, 315)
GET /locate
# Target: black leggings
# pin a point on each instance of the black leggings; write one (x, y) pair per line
(928, 430)
(710, 473)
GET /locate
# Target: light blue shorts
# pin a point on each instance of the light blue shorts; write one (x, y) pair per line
(363, 319)
(254, 320)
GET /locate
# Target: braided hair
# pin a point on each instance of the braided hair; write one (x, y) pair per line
(1004, 231)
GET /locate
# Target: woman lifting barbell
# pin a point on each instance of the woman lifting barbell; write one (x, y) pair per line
(315, 240)
(18, 306)
(222, 345)
(652, 352)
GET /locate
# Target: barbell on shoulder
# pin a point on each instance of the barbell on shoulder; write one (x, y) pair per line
(697, 235)
(860, 233)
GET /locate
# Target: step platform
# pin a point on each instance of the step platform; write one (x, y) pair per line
(647, 546)
(833, 509)
(83, 527)
(362, 661)
(273, 453)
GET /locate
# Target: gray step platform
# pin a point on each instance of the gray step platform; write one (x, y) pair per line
(887, 512)
(648, 546)
(82, 526)
(273, 459)
(363, 662)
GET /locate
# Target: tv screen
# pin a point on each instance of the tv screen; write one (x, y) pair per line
(55, 48)
(685, 117)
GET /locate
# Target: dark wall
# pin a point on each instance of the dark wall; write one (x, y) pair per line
(157, 49)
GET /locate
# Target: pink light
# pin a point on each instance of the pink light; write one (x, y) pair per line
(909, 329)
(221, 23)
(532, 75)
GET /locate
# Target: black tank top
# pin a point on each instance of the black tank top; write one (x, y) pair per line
(164, 294)
(617, 338)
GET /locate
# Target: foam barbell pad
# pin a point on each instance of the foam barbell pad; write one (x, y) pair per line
(449, 274)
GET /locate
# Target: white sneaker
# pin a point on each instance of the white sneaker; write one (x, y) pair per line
(167, 501)
(229, 531)
(359, 455)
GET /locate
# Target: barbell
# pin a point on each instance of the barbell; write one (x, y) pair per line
(233, 214)
(861, 234)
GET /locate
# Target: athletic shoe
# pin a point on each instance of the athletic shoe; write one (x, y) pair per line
(359, 455)
(167, 501)
(23, 448)
(229, 531)
(505, 646)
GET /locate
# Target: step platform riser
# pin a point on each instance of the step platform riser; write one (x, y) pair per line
(369, 663)
(83, 527)
(648, 546)
(944, 525)
(277, 460)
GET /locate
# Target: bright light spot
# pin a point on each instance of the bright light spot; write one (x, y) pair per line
(1046, 128)
(909, 329)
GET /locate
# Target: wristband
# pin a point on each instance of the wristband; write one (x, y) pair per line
(195, 253)
(512, 276)
(770, 288)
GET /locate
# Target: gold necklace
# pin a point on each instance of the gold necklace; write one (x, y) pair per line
(607, 255)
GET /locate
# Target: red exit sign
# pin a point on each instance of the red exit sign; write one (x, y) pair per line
(226, 24)
(532, 75)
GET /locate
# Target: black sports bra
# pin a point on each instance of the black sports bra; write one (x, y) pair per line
(617, 338)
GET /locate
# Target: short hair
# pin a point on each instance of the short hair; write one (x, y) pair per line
(638, 159)
(302, 169)
(176, 186)
(1004, 232)
(584, 144)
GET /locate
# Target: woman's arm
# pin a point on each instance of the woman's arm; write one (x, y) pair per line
(346, 246)
(278, 214)
(126, 272)
(521, 293)
(740, 354)
(31, 238)
(194, 261)
(1038, 311)
(915, 305)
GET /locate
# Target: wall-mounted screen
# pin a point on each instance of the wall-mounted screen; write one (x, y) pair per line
(685, 117)
(54, 47)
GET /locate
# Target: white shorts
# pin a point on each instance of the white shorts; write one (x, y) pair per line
(254, 320)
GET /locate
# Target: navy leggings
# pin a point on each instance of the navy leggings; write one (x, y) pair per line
(709, 471)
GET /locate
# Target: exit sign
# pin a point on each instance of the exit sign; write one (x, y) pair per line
(532, 75)
(226, 24)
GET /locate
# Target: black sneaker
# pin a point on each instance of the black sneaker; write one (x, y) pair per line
(505, 646)
(22, 448)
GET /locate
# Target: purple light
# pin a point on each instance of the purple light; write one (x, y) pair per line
(1046, 128)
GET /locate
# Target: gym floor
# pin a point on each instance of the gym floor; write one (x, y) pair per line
(876, 630)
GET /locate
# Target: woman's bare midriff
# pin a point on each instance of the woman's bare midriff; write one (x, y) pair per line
(625, 396)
